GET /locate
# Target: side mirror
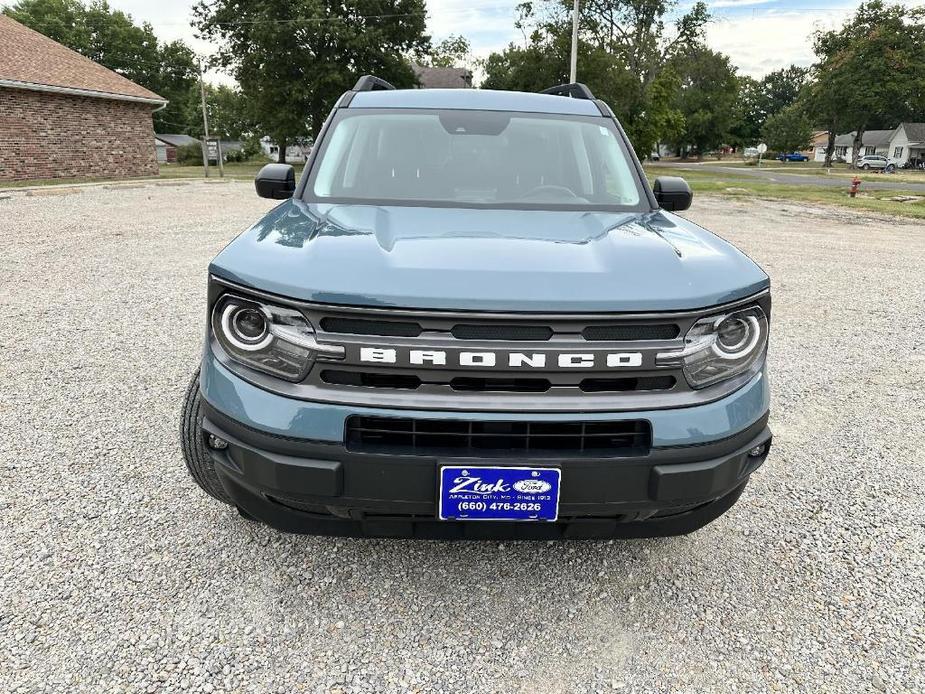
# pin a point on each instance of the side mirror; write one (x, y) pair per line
(275, 181)
(673, 193)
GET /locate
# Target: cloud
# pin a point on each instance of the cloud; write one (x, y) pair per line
(760, 43)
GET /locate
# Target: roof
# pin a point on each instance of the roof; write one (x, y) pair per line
(30, 60)
(474, 99)
(871, 138)
(443, 77)
(176, 140)
(914, 131)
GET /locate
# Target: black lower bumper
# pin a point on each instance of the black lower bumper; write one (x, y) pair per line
(308, 487)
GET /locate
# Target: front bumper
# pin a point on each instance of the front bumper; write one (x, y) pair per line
(297, 484)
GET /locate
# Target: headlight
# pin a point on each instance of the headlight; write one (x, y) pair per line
(273, 339)
(721, 347)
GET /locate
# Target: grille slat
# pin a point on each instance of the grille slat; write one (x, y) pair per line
(628, 333)
(461, 438)
(359, 326)
(513, 333)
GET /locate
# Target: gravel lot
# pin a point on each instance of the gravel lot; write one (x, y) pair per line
(118, 574)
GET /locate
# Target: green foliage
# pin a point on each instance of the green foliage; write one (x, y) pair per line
(453, 51)
(760, 99)
(871, 71)
(112, 39)
(708, 98)
(190, 154)
(624, 54)
(293, 59)
(788, 130)
(227, 110)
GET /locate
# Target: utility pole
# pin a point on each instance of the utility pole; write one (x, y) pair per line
(573, 71)
(205, 121)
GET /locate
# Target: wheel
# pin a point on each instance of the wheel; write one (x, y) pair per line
(198, 461)
(865, 166)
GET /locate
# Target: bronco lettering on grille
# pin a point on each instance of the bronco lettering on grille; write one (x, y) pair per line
(535, 360)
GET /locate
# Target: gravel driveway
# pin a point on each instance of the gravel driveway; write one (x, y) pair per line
(118, 574)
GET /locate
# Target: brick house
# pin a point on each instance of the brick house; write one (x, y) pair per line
(62, 115)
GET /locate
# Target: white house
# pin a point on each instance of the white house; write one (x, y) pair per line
(907, 142)
(872, 142)
(295, 154)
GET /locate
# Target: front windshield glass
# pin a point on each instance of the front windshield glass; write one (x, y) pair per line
(474, 158)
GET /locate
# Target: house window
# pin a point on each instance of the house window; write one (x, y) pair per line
(870, 150)
(841, 151)
(898, 153)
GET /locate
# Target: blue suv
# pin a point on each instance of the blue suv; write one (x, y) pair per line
(472, 317)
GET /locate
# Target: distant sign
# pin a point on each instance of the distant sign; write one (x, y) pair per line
(762, 148)
(213, 150)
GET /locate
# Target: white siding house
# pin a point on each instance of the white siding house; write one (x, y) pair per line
(907, 142)
(872, 142)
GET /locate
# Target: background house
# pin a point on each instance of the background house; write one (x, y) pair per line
(443, 77)
(295, 154)
(908, 142)
(872, 142)
(62, 115)
(166, 145)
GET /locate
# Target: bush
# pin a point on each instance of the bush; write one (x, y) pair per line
(234, 156)
(189, 154)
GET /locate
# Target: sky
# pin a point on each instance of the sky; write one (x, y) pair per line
(759, 35)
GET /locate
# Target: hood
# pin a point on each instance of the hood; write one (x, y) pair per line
(487, 260)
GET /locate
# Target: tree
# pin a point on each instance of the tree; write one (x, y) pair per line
(708, 96)
(453, 51)
(624, 51)
(788, 130)
(293, 59)
(871, 68)
(761, 99)
(227, 110)
(112, 39)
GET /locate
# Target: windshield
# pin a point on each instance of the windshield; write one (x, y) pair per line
(474, 158)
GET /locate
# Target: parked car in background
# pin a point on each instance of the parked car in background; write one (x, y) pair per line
(876, 161)
(792, 156)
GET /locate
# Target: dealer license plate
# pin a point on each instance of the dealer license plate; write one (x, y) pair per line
(499, 493)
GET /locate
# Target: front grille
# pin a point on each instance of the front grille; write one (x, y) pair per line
(503, 362)
(387, 380)
(464, 438)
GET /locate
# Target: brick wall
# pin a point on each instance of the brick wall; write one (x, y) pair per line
(44, 135)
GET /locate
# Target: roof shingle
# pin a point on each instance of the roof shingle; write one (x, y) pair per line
(36, 61)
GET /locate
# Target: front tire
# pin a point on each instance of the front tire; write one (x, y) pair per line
(198, 461)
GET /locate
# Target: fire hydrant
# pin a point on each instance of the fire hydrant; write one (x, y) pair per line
(855, 184)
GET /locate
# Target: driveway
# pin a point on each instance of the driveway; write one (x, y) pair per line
(118, 575)
(782, 177)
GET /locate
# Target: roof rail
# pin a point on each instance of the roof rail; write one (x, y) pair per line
(368, 83)
(575, 90)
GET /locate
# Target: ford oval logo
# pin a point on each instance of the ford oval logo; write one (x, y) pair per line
(532, 486)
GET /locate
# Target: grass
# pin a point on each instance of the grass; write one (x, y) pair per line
(726, 183)
(246, 170)
(742, 186)
(243, 171)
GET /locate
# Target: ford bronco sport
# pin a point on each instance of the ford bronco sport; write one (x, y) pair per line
(473, 318)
